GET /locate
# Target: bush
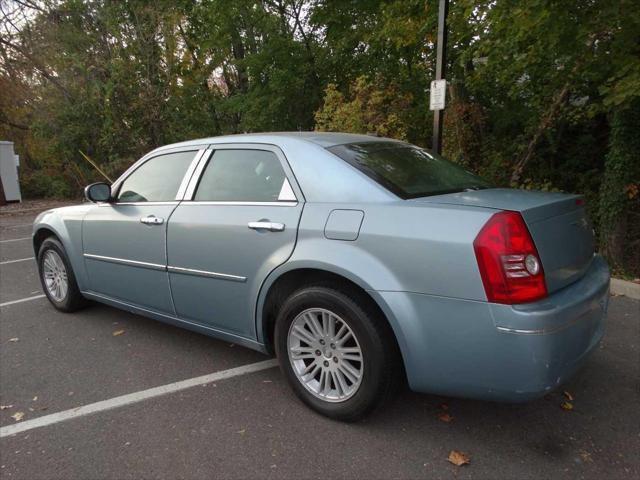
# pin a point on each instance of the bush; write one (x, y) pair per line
(43, 184)
(619, 198)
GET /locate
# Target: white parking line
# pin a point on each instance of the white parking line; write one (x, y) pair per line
(28, 299)
(16, 261)
(17, 226)
(133, 398)
(15, 240)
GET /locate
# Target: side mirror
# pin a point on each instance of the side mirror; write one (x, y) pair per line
(98, 192)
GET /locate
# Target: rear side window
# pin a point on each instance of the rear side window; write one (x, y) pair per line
(156, 180)
(406, 170)
(241, 176)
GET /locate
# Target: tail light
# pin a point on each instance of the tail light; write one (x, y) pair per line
(509, 263)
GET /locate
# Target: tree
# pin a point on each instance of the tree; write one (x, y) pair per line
(542, 94)
(370, 109)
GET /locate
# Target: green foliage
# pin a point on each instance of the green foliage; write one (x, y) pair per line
(40, 184)
(370, 109)
(541, 93)
(619, 193)
(117, 79)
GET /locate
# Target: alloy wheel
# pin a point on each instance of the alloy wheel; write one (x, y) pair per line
(55, 275)
(325, 355)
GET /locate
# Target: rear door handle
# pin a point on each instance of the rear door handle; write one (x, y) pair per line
(270, 226)
(152, 220)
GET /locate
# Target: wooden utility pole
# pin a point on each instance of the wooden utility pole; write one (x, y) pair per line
(441, 64)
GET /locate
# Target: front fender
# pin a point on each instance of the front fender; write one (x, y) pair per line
(66, 224)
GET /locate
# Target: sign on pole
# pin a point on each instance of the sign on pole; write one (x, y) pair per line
(438, 87)
(437, 94)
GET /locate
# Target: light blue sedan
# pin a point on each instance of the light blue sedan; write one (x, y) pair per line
(361, 262)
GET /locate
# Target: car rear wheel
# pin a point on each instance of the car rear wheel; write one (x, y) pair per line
(57, 278)
(335, 352)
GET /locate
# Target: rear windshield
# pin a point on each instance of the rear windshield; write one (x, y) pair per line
(406, 170)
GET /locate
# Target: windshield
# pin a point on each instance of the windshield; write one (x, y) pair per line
(406, 170)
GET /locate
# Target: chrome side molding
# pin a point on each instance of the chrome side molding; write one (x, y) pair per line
(124, 261)
(205, 273)
(167, 268)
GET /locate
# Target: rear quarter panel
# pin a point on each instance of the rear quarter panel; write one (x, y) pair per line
(400, 247)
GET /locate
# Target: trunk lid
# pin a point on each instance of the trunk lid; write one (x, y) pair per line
(557, 222)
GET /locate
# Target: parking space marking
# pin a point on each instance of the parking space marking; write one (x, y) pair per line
(16, 261)
(16, 226)
(15, 240)
(28, 299)
(133, 398)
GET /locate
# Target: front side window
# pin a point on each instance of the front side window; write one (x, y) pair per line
(241, 176)
(408, 171)
(156, 180)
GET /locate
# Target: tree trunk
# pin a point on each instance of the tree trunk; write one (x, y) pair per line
(546, 122)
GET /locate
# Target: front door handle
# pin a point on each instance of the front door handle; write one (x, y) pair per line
(270, 226)
(152, 220)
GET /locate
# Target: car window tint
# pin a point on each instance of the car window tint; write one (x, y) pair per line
(408, 171)
(241, 176)
(156, 180)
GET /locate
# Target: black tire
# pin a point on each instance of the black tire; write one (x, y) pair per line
(381, 359)
(73, 300)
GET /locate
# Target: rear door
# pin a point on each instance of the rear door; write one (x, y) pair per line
(124, 241)
(238, 222)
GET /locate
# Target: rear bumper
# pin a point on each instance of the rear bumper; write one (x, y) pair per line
(498, 352)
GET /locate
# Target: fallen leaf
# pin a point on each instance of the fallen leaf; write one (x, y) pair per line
(445, 417)
(458, 458)
(567, 406)
(14, 339)
(17, 416)
(5, 407)
(35, 399)
(586, 456)
(568, 396)
(241, 432)
(118, 332)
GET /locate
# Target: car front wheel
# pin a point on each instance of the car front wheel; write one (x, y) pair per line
(57, 278)
(336, 352)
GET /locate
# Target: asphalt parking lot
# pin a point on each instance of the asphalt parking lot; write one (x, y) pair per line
(252, 426)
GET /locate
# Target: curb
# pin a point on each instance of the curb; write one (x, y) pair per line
(628, 289)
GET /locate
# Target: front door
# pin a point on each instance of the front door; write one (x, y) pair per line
(238, 222)
(124, 241)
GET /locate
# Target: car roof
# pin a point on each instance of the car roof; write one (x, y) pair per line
(321, 175)
(323, 139)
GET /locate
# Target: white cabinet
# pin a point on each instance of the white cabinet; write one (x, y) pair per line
(9, 163)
